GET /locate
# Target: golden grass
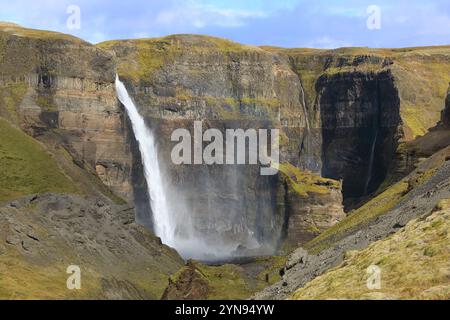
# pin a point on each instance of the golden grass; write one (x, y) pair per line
(414, 264)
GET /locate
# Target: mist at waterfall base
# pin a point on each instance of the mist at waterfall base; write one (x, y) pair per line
(172, 219)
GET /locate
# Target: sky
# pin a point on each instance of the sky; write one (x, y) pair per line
(285, 23)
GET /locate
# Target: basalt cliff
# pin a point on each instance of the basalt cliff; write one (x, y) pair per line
(363, 138)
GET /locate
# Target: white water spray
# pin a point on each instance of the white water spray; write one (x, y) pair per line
(147, 146)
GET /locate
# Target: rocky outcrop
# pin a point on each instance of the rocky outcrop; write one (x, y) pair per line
(412, 85)
(61, 88)
(189, 284)
(311, 204)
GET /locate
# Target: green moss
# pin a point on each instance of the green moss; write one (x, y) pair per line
(10, 99)
(272, 271)
(226, 282)
(26, 167)
(304, 182)
(46, 102)
(261, 102)
(443, 204)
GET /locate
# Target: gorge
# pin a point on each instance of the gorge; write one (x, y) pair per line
(361, 137)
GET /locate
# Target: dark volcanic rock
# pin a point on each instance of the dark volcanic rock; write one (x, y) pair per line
(118, 258)
(360, 115)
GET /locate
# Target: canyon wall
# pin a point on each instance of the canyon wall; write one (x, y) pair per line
(60, 89)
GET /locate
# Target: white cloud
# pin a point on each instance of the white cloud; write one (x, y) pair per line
(198, 15)
(328, 43)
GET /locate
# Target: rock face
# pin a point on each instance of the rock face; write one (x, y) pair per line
(311, 204)
(57, 84)
(360, 116)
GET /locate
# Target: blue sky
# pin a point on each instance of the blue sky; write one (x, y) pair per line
(287, 23)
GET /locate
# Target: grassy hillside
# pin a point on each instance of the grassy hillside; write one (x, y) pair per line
(414, 264)
(26, 167)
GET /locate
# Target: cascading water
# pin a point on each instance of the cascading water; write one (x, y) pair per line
(147, 146)
(174, 221)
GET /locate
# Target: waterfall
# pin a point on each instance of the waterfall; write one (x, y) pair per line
(371, 160)
(152, 171)
(174, 221)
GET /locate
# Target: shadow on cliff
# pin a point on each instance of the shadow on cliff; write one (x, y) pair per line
(360, 114)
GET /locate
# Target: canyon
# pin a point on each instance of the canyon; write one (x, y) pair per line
(354, 123)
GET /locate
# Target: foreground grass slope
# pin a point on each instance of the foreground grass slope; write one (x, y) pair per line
(26, 167)
(414, 264)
